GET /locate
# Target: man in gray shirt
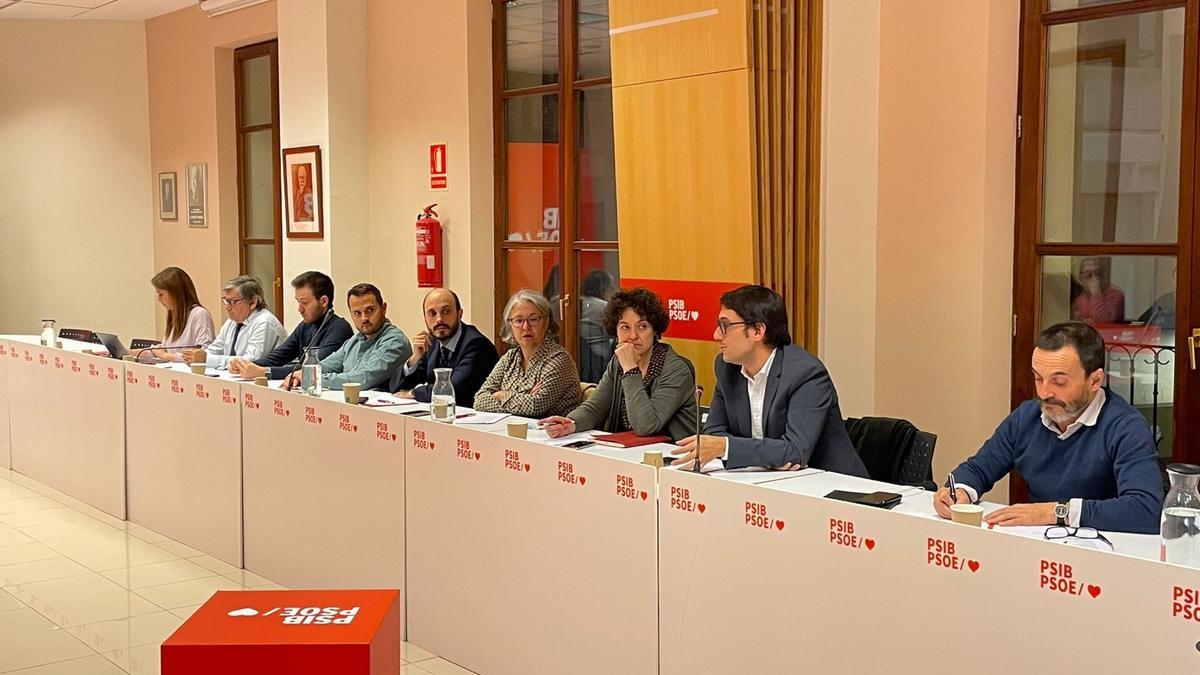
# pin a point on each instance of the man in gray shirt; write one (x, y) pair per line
(370, 357)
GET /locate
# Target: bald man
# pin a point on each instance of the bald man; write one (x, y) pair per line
(446, 342)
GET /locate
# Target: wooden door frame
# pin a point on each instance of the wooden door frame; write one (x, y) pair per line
(567, 88)
(269, 48)
(1028, 227)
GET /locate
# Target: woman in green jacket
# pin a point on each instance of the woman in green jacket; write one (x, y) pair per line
(647, 388)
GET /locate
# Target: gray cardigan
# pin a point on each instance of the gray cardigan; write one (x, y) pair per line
(669, 409)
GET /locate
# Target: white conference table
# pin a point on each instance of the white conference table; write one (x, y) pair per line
(521, 555)
(66, 420)
(774, 578)
(323, 490)
(525, 557)
(184, 457)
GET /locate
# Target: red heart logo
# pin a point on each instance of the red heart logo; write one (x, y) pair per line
(779, 524)
(527, 467)
(700, 508)
(393, 437)
(869, 543)
(287, 413)
(974, 565)
(644, 495)
(582, 480)
(1093, 590)
(354, 427)
(476, 454)
(432, 445)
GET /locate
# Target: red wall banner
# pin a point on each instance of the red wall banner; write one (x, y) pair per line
(693, 306)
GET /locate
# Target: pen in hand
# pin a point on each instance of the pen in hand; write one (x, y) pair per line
(953, 488)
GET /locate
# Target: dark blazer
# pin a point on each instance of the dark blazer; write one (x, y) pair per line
(802, 422)
(286, 357)
(472, 361)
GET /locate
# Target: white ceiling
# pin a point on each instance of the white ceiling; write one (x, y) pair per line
(108, 10)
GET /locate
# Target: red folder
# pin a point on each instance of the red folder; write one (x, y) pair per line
(628, 439)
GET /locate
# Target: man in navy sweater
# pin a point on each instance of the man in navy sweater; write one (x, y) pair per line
(321, 328)
(1086, 454)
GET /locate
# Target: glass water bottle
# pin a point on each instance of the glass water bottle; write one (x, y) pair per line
(441, 397)
(1181, 516)
(310, 373)
(49, 333)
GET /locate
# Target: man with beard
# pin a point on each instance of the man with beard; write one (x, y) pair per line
(447, 343)
(1086, 454)
(370, 357)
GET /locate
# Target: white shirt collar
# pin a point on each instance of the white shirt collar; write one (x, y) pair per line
(763, 372)
(1088, 418)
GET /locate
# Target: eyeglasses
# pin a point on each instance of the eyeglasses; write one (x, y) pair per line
(231, 303)
(1065, 534)
(723, 325)
(531, 321)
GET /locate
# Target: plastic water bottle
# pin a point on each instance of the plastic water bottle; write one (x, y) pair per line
(441, 396)
(1181, 516)
(310, 373)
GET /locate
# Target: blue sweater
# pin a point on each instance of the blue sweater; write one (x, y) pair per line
(1112, 465)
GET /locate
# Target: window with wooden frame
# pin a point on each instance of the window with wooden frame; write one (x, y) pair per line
(555, 201)
(1106, 200)
(260, 241)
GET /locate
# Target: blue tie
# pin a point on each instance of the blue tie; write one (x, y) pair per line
(233, 343)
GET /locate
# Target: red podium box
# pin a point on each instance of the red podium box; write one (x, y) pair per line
(344, 632)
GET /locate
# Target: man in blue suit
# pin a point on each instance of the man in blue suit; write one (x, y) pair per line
(775, 405)
(447, 342)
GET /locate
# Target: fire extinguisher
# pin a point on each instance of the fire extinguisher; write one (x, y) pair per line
(429, 249)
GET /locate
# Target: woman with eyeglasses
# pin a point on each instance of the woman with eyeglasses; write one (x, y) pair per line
(188, 322)
(647, 388)
(538, 377)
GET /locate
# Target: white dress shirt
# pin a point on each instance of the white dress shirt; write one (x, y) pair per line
(1087, 418)
(261, 333)
(756, 387)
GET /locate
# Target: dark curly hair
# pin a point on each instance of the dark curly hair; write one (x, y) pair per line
(644, 302)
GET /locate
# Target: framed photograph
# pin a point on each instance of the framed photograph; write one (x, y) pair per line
(197, 194)
(167, 206)
(302, 192)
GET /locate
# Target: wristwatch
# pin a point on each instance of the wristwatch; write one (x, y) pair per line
(1060, 512)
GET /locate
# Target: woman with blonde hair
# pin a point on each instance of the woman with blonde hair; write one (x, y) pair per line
(188, 323)
(536, 377)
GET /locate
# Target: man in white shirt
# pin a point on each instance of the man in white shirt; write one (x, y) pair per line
(775, 405)
(251, 331)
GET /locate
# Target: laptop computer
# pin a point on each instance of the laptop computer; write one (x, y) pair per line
(117, 350)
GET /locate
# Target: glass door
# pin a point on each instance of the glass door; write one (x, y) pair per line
(1105, 203)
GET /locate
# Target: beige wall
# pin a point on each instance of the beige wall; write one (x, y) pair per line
(944, 215)
(850, 200)
(420, 96)
(75, 188)
(189, 60)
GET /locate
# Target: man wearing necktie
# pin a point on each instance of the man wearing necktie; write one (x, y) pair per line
(251, 331)
(447, 342)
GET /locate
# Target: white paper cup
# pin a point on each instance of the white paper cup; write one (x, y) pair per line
(967, 514)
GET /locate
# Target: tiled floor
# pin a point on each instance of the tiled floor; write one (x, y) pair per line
(83, 593)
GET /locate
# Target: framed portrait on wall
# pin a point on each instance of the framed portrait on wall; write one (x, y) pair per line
(167, 206)
(196, 175)
(302, 192)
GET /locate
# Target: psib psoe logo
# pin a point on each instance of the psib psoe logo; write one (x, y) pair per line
(303, 615)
